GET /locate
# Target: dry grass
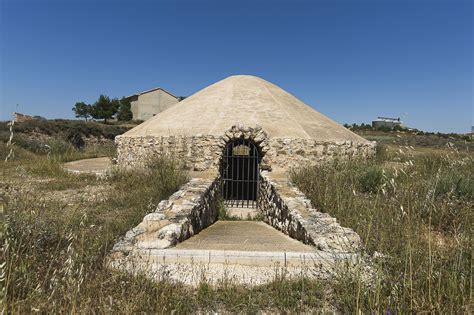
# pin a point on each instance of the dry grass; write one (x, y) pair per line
(416, 214)
(54, 249)
(56, 246)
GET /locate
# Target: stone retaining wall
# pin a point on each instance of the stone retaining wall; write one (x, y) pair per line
(201, 153)
(188, 211)
(287, 209)
(147, 248)
(195, 207)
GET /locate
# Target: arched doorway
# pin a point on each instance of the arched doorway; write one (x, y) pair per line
(240, 173)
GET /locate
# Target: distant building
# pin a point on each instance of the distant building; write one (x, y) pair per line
(147, 104)
(386, 122)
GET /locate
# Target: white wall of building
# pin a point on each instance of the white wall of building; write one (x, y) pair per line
(149, 104)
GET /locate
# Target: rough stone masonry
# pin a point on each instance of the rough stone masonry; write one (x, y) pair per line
(200, 153)
(196, 131)
(195, 207)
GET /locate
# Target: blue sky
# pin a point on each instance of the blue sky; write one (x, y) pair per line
(351, 60)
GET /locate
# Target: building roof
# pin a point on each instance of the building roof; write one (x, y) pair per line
(152, 90)
(388, 119)
(248, 101)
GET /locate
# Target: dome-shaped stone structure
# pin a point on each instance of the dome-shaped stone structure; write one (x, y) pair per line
(197, 129)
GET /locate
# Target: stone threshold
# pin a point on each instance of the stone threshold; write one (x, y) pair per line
(192, 267)
(246, 258)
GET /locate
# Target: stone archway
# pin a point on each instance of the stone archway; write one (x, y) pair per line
(255, 134)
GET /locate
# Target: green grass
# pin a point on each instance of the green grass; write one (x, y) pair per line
(418, 216)
(419, 139)
(224, 215)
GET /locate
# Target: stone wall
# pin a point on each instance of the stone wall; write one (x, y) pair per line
(188, 211)
(287, 209)
(195, 207)
(202, 152)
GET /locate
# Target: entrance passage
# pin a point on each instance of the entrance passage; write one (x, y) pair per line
(239, 173)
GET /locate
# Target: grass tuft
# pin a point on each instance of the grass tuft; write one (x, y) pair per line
(416, 214)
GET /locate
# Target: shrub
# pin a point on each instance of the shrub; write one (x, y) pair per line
(59, 128)
(76, 140)
(371, 180)
(381, 153)
(457, 184)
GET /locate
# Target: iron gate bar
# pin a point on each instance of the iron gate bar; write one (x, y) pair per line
(240, 173)
(237, 177)
(248, 176)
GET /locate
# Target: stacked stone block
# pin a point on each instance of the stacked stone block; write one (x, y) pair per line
(188, 211)
(287, 209)
(204, 152)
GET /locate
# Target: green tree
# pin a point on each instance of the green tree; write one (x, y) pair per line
(82, 110)
(124, 112)
(104, 108)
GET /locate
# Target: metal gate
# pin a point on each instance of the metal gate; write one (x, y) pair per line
(240, 174)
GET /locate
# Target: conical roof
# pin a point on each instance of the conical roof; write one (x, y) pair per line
(244, 100)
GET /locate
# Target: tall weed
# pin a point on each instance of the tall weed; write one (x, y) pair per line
(415, 217)
(54, 252)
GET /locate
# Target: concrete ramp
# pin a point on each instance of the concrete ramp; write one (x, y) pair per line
(253, 236)
(97, 166)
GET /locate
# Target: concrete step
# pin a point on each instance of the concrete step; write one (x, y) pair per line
(192, 267)
(242, 213)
